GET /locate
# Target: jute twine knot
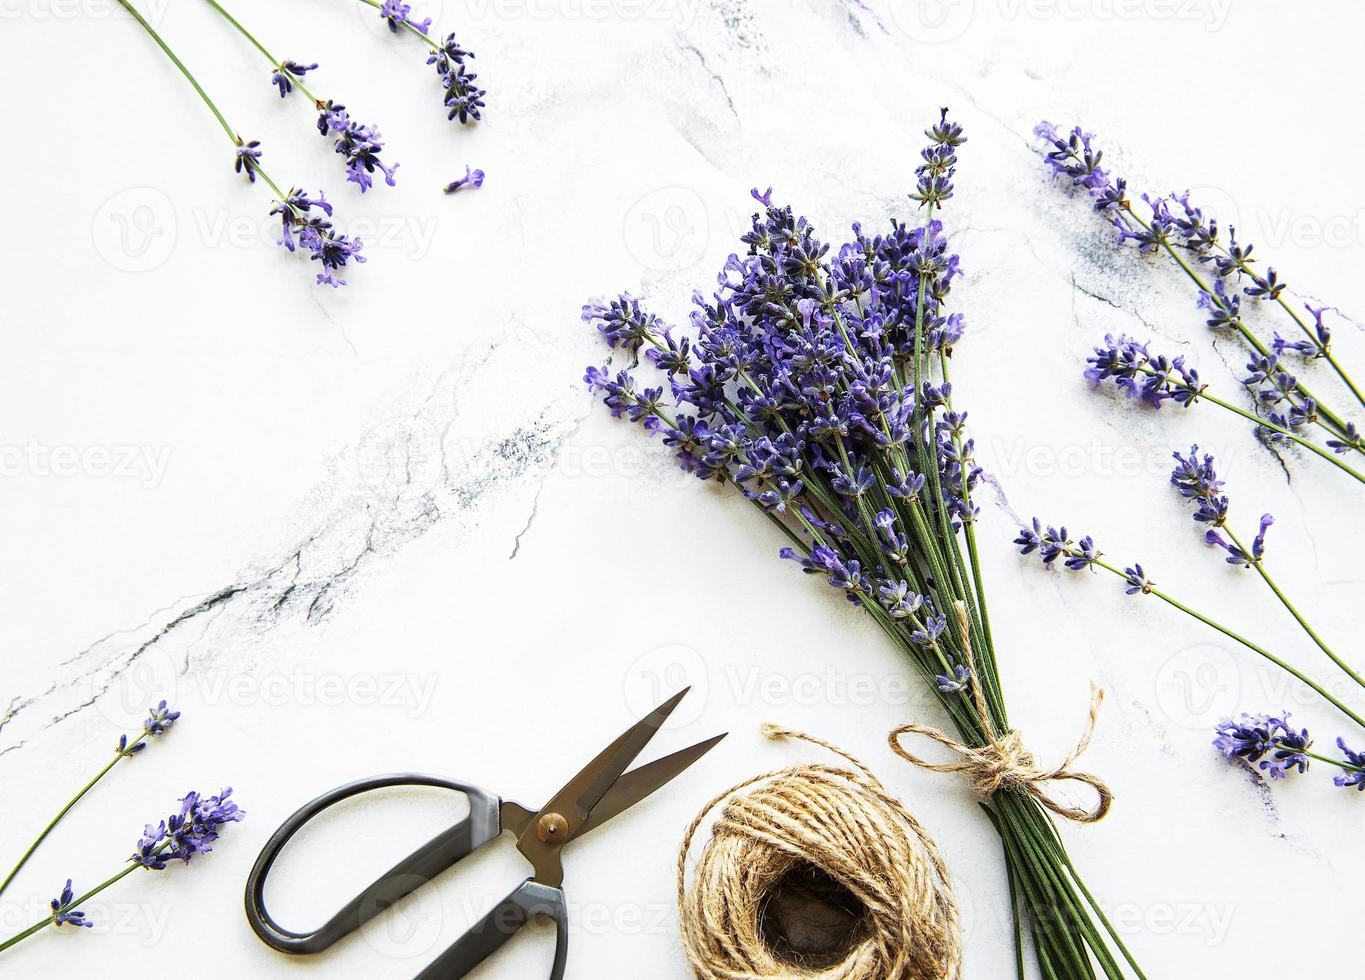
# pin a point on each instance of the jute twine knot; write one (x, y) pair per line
(1003, 763)
(844, 823)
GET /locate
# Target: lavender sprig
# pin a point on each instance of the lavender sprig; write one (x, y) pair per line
(1198, 482)
(1251, 738)
(1175, 222)
(331, 249)
(159, 720)
(1155, 379)
(463, 99)
(358, 144)
(190, 831)
(1053, 543)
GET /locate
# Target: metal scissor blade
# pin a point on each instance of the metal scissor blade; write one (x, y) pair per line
(640, 782)
(580, 794)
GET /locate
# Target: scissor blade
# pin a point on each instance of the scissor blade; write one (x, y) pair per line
(640, 782)
(582, 793)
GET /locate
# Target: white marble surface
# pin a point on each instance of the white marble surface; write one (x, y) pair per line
(382, 528)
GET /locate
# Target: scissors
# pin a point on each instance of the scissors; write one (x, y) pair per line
(600, 791)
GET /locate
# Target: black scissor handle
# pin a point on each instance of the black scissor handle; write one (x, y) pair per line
(527, 900)
(482, 825)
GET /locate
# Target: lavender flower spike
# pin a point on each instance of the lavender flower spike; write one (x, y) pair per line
(190, 831)
(248, 158)
(63, 913)
(1252, 737)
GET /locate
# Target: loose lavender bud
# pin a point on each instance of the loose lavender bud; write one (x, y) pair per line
(472, 178)
(1252, 737)
(63, 913)
(286, 72)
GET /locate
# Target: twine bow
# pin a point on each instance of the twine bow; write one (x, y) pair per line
(1003, 763)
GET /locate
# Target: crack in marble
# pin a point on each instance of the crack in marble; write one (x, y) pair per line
(314, 574)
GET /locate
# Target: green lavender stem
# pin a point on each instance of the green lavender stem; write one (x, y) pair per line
(57, 819)
(1255, 648)
(1326, 354)
(1339, 763)
(1293, 611)
(199, 89)
(278, 64)
(1334, 421)
(1203, 394)
(43, 924)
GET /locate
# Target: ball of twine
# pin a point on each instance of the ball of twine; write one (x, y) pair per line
(843, 822)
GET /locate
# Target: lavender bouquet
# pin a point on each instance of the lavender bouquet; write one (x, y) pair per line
(816, 383)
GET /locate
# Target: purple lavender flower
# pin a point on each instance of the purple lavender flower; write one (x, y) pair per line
(1137, 581)
(159, 719)
(1197, 480)
(934, 177)
(797, 383)
(248, 158)
(1355, 776)
(1138, 373)
(960, 679)
(624, 324)
(316, 235)
(1252, 737)
(472, 178)
(286, 72)
(1052, 543)
(1236, 556)
(358, 144)
(191, 830)
(63, 913)
(1351, 440)
(396, 14)
(463, 98)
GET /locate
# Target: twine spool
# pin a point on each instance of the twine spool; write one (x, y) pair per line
(843, 823)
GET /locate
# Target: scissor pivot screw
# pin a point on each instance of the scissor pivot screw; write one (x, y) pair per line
(552, 829)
